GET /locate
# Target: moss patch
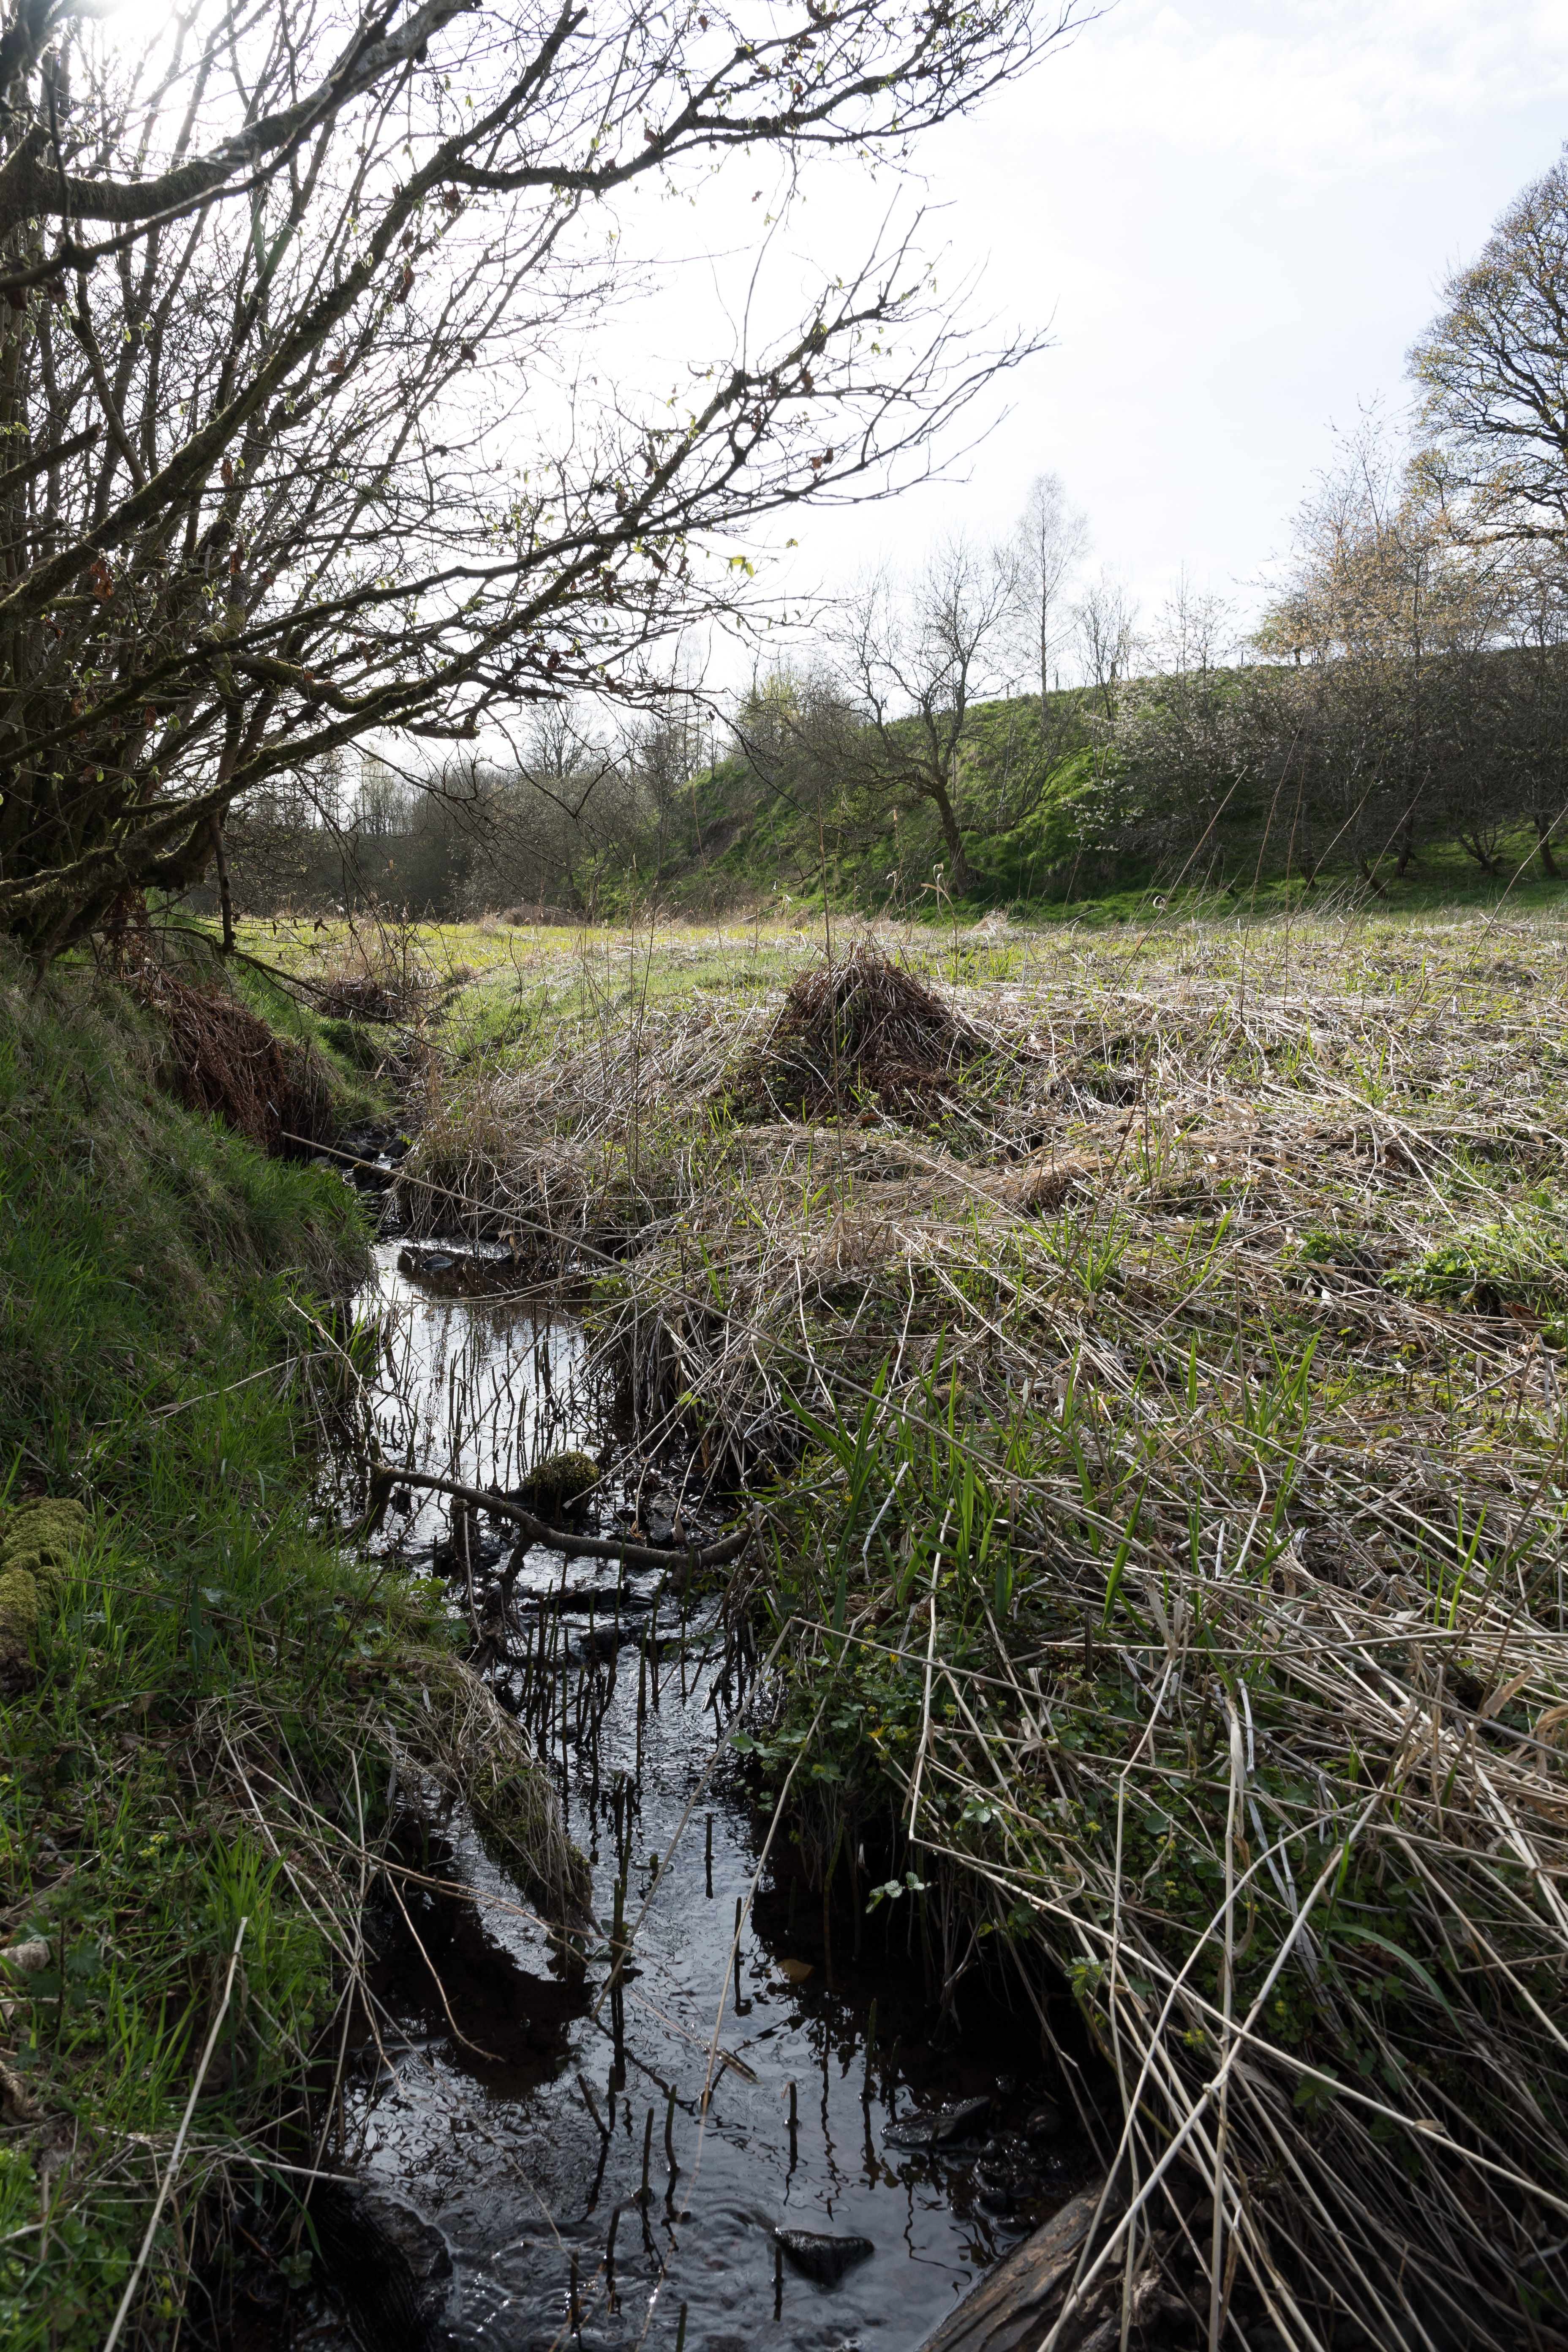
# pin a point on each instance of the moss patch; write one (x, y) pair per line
(38, 1545)
(558, 1483)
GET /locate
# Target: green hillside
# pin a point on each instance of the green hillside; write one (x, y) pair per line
(735, 840)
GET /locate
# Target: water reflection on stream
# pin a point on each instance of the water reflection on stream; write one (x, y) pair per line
(516, 2135)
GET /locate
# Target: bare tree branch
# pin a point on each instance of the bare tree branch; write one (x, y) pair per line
(312, 449)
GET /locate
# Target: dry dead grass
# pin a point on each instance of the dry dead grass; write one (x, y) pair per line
(221, 1059)
(1180, 1394)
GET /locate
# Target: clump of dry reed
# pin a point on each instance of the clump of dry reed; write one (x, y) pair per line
(567, 1154)
(1295, 1836)
(377, 969)
(856, 1036)
(276, 1091)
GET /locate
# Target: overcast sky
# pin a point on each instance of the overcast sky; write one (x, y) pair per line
(1234, 216)
(1237, 218)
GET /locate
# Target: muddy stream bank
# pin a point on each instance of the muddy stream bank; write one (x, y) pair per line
(828, 2162)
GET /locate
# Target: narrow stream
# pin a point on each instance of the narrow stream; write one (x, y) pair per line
(497, 2107)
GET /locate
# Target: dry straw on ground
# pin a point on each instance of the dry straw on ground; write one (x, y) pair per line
(1190, 1521)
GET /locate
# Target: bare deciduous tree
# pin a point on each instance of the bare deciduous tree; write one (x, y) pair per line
(799, 734)
(1193, 631)
(911, 665)
(1535, 680)
(1410, 689)
(1387, 617)
(303, 436)
(1048, 543)
(1493, 369)
(1105, 620)
(541, 829)
(382, 803)
(662, 755)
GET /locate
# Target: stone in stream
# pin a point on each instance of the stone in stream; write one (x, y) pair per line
(940, 2126)
(555, 1488)
(421, 1265)
(823, 2259)
(1044, 2124)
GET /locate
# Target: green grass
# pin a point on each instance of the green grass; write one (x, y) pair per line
(201, 1737)
(132, 1236)
(1514, 1263)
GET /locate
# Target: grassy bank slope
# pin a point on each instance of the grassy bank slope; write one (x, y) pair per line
(194, 1748)
(732, 840)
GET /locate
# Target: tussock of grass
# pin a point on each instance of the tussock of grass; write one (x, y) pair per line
(222, 1060)
(563, 1154)
(859, 1033)
(365, 1047)
(474, 1752)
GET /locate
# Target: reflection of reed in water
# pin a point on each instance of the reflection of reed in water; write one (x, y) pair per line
(481, 1389)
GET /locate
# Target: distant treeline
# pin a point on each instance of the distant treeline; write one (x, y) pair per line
(1409, 688)
(474, 837)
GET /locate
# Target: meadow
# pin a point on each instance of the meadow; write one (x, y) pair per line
(1144, 1350)
(1139, 1350)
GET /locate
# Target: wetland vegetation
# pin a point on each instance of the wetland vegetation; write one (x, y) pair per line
(1150, 1349)
(1138, 1356)
(1016, 1438)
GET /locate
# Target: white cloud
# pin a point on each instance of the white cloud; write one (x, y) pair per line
(1312, 90)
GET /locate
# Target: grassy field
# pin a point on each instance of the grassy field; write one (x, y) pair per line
(1150, 1346)
(1144, 1345)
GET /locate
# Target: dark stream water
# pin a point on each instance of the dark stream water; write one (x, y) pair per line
(496, 2107)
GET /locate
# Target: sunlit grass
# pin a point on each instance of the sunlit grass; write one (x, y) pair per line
(1187, 1386)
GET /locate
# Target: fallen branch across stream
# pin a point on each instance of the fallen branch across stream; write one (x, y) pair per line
(690, 1559)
